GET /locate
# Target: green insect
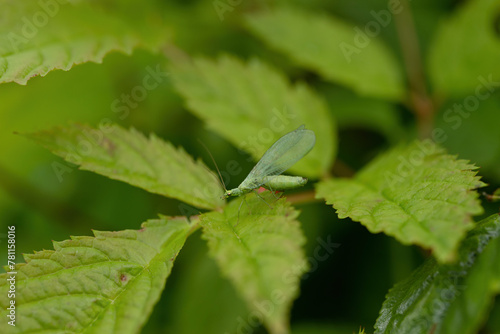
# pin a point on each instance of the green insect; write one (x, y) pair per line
(283, 154)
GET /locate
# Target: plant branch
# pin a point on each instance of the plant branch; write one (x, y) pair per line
(419, 99)
(303, 197)
(341, 169)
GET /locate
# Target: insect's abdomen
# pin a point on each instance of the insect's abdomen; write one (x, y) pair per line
(283, 182)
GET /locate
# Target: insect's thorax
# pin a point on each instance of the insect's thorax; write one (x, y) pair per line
(249, 184)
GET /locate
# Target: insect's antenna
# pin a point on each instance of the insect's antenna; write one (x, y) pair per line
(221, 181)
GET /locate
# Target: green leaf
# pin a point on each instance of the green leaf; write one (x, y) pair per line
(103, 284)
(324, 328)
(466, 48)
(261, 253)
(128, 156)
(448, 298)
(416, 193)
(337, 50)
(252, 105)
(37, 37)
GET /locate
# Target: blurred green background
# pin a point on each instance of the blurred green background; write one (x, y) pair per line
(345, 291)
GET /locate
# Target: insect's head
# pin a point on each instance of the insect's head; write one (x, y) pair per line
(226, 194)
(231, 192)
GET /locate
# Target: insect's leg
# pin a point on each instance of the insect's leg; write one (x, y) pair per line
(272, 192)
(239, 209)
(281, 193)
(269, 205)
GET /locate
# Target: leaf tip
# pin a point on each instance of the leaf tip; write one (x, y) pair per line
(56, 245)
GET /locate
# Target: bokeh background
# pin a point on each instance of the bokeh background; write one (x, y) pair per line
(346, 290)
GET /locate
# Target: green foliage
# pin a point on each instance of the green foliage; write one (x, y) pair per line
(315, 328)
(102, 284)
(239, 240)
(37, 37)
(328, 46)
(129, 156)
(448, 298)
(338, 70)
(475, 24)
(415, 193)
(252, 105)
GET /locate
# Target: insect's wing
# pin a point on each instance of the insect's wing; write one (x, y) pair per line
(284, 153)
